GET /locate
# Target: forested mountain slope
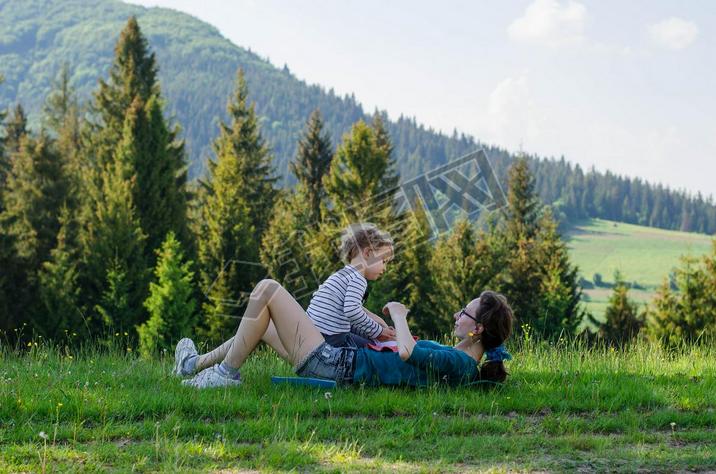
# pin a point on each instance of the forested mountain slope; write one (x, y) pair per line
(197, 71)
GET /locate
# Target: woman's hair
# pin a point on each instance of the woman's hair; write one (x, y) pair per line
(495, 315)
(357, 237)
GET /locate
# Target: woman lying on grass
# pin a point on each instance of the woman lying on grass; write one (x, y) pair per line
(482, 326)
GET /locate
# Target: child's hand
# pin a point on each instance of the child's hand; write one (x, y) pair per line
(388, 334)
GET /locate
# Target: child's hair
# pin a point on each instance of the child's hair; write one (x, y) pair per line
(357, 237)
(495, 315)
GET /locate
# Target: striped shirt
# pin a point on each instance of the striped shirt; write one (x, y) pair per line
(337, 305)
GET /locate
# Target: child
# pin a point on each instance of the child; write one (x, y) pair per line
(337, 306)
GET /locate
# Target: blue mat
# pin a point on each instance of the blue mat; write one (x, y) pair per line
(304, 381)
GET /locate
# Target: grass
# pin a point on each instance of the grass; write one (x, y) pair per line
(566, 407)
(642, 254)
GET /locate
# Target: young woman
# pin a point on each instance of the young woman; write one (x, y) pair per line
(482, 326)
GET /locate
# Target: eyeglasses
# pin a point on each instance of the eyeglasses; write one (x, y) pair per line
(464, 311)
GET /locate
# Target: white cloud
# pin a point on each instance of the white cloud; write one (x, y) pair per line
(550, 22)
(673, 33)
(512, 118)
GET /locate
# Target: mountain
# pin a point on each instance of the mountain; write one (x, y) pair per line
(197, 68)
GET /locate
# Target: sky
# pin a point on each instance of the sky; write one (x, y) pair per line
(621, 86)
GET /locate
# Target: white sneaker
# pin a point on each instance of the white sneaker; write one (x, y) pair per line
(185, 349)
(211, 377)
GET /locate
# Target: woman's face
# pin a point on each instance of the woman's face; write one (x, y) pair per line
(464, 324)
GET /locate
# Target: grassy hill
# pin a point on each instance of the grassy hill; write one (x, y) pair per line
(564, 409)
(644, 255)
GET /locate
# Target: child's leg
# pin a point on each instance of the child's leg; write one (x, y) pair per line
(270, 337)
(271, 302)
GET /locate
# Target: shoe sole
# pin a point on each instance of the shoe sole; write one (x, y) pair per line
(181, 345)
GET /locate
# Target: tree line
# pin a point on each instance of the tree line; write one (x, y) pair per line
(102, 234)
(196, 62)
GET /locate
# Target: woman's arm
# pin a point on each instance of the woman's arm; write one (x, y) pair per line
(375, 317)
(399, 314)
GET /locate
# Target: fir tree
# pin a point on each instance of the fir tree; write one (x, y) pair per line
(114, 310)
(523, 206)
(461, 269)
(170, 304)
(560, 293)
(112, 245)
(61, 114)
(221, 310)
(237, 201)
(159, 192)
(241, 142)
(384, 145)
(355, 178)
(688, 314)
(311, 164)
(35, 192)
(130, 125)
(133, 74)
(285, 242)
(623, 318)
(15, 130)
(59, 289)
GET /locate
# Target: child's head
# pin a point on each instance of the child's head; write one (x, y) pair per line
(367, 248)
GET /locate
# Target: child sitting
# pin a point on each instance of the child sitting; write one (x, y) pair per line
(337, 306)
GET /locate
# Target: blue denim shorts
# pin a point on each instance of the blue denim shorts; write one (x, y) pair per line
(328, 362)
(346, 339)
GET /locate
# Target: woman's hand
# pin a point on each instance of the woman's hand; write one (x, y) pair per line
(376, 318)
(394, 308)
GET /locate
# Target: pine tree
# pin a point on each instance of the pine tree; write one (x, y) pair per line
(355, 194)
(560, 293)
(133, 74)
(129, 125)
(688, 314)
(522, 211)
(112, 245)
(61, 114)
(462, 267)
(221, 310)
(114, 310)
(241, 142)
(521, 280)
(623, 319)
(159, 192)
(170, 304)
(15, 130)
(35, 192)
(311, 164)
(355, 178)
(59, 289)
(384, 144)
(237, 201)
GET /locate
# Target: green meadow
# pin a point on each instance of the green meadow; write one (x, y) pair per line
(565, 408)
(644, 255)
